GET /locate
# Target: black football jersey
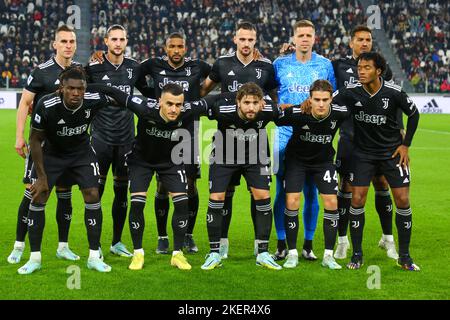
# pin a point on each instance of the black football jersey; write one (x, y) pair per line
(188, 76)
(232, 73)
(375, 117)
(155, 137)
(44, 79)
(239, 141)
(346, 72)
(113, 125)
(312, 139)
(66, 130)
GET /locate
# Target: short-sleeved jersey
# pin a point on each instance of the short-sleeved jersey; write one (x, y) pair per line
(375, 117)
(66, 130)
(294, 78)
(155, 137)
(346, 72)
(232, 73)
(113, 125)
(246, 139)
(312, 139)
(44, 79)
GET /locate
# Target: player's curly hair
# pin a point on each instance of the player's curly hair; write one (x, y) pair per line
(72, 72)
(378, 60)
(249, 89)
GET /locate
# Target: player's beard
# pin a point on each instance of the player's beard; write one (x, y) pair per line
(250, 51)
(176, 63)
(113, 52)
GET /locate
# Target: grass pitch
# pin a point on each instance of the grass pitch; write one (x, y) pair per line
(239, 278)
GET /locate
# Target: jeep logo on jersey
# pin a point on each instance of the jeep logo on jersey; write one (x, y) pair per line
(235, 86)
(88, 113)
(68, 132)
(352, 80)
(298, 88)
(123, 88)
(385, 103)
(258, 73)
(183, 84)
(367, 118)
(130, 73)
(188, 71)
(317, 138)
(165, 134)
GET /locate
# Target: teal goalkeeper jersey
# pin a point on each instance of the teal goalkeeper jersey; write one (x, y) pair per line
(295, 78)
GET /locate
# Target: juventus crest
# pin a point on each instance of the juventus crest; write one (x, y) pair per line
(385, 103)
(258, 73)
(188, 71)
(333, 124)
(130, 73)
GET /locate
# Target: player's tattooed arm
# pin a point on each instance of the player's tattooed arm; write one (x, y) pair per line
(40, 187)
(97, 56)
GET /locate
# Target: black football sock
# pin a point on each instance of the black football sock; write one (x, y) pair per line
(93, 220)
(136, 220)
(403, 221)
(22, 216)
(263, 221)
(162, 207)
(344, 201)
(179, 220)
(330, 223)
(307, 245)
(119, 209)
(214, 218)
(64, 214)
(291, 226)
(281, 245)
(227, 212)
(193, 210)
(357, 221)
(253, 212)
(36, 223)
(383, 204)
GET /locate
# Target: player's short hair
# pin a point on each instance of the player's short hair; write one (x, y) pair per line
(303, 24)
(64, 28)
(378, 60)
(175, 35)
(249, 89)
(245, 25)
(115, 27)
(173, 89)
(360, 28)
(72, 72)
(321, 85)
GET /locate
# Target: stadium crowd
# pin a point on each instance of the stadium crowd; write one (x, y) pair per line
(420, 35)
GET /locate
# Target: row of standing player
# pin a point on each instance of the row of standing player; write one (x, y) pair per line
(175, 48)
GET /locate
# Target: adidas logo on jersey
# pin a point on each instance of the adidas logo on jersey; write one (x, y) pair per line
(105, 77)
(57, 81)
(289, 75)
(163, 72)
(305, 127)
(61, 121)
(349, 70)
(406, 180)
(358, 104)
(231, 73)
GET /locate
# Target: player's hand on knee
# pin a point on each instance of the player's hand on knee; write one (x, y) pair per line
(402, 152)
(39, 188)
(97, 56)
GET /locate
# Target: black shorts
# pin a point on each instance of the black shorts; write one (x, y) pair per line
(111, 155)
(140, 174)
(78, 168)
(193, 171)
(65, 180)
(365, 169)
(257, 176)
(324, 175)
(344, 157)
